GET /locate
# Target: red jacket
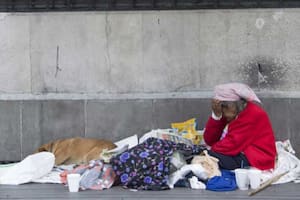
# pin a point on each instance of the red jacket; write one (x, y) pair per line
(251, 133)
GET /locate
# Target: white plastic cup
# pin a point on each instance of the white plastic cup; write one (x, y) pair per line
(241, 177)
(254, 178)
(73, 182)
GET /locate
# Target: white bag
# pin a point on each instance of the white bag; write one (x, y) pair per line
(32, 167)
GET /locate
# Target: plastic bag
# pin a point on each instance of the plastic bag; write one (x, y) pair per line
(166, 134)
(209, 163)
(188, 130)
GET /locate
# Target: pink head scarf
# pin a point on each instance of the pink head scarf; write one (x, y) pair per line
(234, 92)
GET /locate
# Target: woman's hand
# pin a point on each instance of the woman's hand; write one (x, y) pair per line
(216, 107)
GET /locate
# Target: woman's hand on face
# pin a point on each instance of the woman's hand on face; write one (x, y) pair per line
(216, 107)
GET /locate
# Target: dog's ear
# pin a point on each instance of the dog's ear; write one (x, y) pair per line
(45, 147)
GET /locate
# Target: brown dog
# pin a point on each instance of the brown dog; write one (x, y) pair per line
(76, 150)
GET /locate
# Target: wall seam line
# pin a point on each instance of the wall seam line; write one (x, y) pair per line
(21, 128)
(85, 117)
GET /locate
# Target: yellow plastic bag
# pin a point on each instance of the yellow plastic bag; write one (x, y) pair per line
(184, 126)
(188, 130)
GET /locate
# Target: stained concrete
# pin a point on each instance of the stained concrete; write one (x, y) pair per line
(149, 51)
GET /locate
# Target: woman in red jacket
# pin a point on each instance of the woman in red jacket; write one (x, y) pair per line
(239, 131)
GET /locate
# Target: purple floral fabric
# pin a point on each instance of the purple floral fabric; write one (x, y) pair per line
(146, 166)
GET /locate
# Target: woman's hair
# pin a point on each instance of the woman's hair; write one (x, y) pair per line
(239, 104)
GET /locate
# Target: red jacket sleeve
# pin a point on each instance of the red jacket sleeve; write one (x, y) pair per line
(213, 130)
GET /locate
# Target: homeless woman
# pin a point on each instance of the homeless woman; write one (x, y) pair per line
(239, 131)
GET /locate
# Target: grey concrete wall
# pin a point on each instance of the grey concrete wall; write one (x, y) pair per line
(148, 52)
(114, 74)
(24, 125)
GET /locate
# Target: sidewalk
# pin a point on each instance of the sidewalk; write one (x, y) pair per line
(60, 192)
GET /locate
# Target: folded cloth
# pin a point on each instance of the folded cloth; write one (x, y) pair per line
(225, 182)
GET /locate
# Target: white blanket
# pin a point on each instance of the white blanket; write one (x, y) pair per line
(32, 167)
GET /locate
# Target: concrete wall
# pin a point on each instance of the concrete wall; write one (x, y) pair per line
(114, 74)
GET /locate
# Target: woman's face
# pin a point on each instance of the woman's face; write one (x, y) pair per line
(229, 110)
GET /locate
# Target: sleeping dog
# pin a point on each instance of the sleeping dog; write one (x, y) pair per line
(76, 150)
